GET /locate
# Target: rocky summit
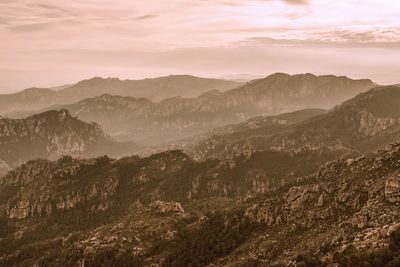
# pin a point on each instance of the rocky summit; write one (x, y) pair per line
(50, 135)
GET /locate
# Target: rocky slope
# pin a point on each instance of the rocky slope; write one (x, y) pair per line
(346, 214)
(50, 135)
(4, 168)
(155, 89)
(167, 210)
(361, 124)
(151, 123)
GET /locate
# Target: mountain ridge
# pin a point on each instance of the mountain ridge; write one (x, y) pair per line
(180, 117)
(52, 134)
(152, 88)
(359, 124)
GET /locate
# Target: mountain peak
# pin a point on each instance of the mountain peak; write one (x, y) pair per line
(61, 114)
(47, 135)
(381, 101)
(278, 75)
(97, 81)
(211, 93)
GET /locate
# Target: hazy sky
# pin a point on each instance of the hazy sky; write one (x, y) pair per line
(52, 42)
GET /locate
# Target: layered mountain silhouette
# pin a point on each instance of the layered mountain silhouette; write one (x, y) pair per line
(152, 123)
(364, 123)
(289, 170)
(154, 89)
(53, 134)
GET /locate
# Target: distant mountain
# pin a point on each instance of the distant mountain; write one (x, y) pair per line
(215, 139)
(282, 92)
(146, 122)
(151, 123)
(154, 89)
(29, 99)
(50, 135)
(364, 123)
(270, 209)
(241, 77)
(265, 122)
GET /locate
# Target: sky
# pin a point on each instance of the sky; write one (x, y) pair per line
(53, 42)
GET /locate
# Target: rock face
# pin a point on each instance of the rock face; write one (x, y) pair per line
(163, 207)
(44, 187)
(146, 211)
(49, 135)
(392, 189)
(152, 123)
(37, 195)
(4, 168)
(364, 123)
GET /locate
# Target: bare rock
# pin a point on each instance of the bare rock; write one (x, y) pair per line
(392, 189)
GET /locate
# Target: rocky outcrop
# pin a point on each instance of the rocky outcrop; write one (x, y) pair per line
(44, 187)
(353, 203)
(167, 208)
(392, 189)
(51, 135)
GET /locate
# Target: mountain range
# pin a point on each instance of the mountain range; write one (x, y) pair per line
(154, 89)
(288, 170)
(151, 123)
(364, 123)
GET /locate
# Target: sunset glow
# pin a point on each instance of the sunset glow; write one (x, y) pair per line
(47, 43)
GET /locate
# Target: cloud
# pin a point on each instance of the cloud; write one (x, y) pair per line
(145, 17)
(380, 35)
(198, 36)
(4, 21)
(297, 2)
(30, 27)
(244, 2)
(337, 37)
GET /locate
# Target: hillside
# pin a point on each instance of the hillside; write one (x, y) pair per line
(167, 210)
(364, 123)
(53, 134)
